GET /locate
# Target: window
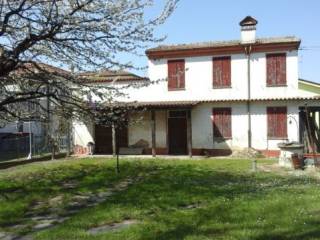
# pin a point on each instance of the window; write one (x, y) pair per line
(276, 69)
(221, 72)
(277, 122)
(176, 72)
(222, 122)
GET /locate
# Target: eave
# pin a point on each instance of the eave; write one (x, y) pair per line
(222, 50)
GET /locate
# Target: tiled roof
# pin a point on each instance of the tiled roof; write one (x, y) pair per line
(190, 103)
(110, 76)
(164, 103)
(264, 99)
(38, 68)
(216, 44)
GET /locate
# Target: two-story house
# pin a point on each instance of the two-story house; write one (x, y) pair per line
(215, 97)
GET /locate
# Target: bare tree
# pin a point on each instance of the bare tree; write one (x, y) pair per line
(85, 34)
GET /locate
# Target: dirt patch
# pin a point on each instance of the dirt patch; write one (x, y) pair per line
(282, 171)
(246, 153)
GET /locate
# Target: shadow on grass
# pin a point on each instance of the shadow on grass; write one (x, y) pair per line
(5, 164)
(177, 201)
(223, 205)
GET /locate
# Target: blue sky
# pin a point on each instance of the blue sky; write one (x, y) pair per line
(210, 20)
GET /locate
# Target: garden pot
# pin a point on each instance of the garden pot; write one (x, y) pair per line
(297, 162)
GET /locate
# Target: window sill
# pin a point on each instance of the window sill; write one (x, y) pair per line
(221, 87)
(280, 85)
(176, 89)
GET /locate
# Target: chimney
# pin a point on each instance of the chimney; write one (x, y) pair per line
(248, 30)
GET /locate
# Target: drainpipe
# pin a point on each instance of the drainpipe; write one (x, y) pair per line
(247, 50)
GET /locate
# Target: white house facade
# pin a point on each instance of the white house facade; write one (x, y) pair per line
(213, 98)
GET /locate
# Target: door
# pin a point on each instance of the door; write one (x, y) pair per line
(103, 138)
(177, 132)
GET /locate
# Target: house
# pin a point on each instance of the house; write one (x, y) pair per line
(213, 98)
(29, 135)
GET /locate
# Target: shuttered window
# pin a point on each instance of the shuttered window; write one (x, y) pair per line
(276, 69)
(176, 74)
(222, 122)
(221, 72)
(277, 122)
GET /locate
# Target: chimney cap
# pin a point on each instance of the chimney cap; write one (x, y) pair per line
(248, 21)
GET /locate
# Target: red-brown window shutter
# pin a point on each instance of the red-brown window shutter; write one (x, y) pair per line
(276, 69)
(222, 122)
(221, 71)
(277, 122)
(176, 74)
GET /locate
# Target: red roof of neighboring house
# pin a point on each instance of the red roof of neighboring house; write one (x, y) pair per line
(110, 76)
(38, 68)
(88, 77)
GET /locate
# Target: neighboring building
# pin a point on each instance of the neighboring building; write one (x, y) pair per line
(218, 96)
(15, 136)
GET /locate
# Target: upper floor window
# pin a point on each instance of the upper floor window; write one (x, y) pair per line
(277, 122)
(276, 69)
(176, 74)
(221, 122)
(221, 72)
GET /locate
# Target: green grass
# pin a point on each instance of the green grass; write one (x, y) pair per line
(181, 199)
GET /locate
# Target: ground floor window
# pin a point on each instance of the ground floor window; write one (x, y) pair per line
(277, 122)
(221, 118)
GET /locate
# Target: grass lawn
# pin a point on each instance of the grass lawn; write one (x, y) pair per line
(175, 199)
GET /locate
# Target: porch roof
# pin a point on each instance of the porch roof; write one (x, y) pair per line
(263, 99)
(158, 104)
(191, 103)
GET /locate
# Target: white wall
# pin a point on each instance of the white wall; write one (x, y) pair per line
(140, 128)
(259, 88)
(83, 133)
(198, 80)
(202, 129)
(259, 124)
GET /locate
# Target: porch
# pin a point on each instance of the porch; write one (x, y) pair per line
(156, 129)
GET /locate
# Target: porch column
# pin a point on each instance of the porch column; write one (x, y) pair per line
(153, 132)
(189, 133)
(114, 140)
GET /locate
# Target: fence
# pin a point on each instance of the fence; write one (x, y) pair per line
(16, 146)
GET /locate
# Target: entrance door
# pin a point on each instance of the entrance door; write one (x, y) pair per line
(177, 132)
(103, 138)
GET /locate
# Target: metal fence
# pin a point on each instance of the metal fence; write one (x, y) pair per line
(19, 147)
